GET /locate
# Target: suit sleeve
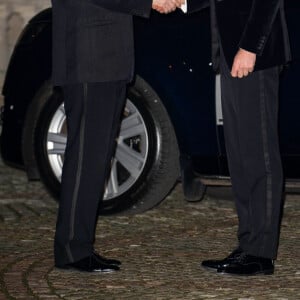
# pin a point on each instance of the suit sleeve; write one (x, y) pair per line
(140, 8)
(259, 25)
(196, 5)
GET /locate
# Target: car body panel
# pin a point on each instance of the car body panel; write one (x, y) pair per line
(183, 78)
(31, 55)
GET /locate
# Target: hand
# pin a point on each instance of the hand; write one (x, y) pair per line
(166, 6)
(243, 63)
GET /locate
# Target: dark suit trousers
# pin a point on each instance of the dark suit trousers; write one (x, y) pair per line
(93, 113)
(250, 109)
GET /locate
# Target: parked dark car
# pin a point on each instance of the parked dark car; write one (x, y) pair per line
(173, 109)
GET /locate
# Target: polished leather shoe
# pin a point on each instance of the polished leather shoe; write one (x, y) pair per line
(108, 261)
(216, 264)
(91, 264)
(248, 265)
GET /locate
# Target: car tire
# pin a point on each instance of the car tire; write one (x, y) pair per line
(161, 165)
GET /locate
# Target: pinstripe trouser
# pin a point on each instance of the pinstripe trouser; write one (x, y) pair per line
(93, 113)
(250, 109)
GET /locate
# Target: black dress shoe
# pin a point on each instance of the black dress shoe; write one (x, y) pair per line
(216, 264)
(247, 265)
(91, 264)
(107, 261)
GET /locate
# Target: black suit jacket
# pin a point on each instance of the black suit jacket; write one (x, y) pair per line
(258, 26)
(93, 39)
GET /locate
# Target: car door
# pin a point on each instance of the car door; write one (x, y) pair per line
(173, 54)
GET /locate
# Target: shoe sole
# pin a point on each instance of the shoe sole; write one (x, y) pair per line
(104, 271)
(265, 272)
(213, 270)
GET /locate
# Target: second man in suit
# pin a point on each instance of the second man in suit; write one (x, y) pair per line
(250, 45)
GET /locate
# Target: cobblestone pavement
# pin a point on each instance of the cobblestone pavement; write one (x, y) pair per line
(160, 250)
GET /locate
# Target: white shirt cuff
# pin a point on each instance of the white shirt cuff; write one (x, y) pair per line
(184, 7)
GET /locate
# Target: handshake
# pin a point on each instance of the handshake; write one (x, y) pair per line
(167, 6)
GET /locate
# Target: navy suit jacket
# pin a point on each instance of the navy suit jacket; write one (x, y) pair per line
(93, 39)
(258, 26)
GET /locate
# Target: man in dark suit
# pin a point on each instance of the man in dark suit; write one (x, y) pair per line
(250, 45)
(92, 61)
